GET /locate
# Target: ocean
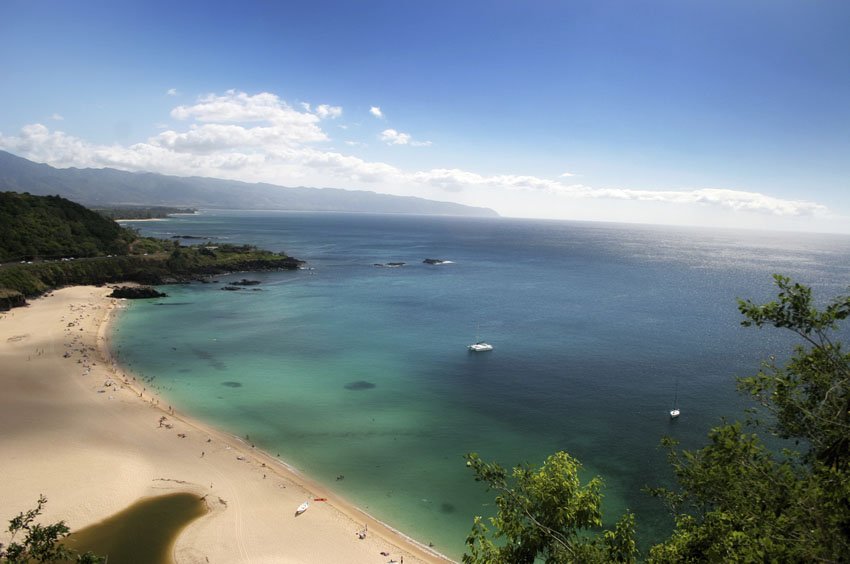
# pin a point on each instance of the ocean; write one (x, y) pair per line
(352, 370)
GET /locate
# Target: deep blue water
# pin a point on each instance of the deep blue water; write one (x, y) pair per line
(363, 371)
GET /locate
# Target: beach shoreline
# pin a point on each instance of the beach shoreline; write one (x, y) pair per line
(80, 429)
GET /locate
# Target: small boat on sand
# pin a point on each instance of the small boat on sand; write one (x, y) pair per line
(302, 508)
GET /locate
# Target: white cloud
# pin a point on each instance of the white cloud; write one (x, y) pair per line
(325, 111)
(376, 111)
(57, 117)
(393, 137)
(234, 106)
(566, 175)
(455, 180)
(283, 123)
(735, 200)
(171, 92)
(213, 137)
(260, 138)
(204, 151)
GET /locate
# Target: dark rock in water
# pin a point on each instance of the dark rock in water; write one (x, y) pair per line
(256, 289)
(245, 282)
(360, 385)
(447, 507)
(191, 237)
(136, 292)
(434, 261)
(231, 288)
(392, 264)
(231, 384)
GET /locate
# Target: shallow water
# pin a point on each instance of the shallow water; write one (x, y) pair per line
(144, 532)
(355, 370)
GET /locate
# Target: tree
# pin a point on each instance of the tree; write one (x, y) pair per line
(810, 395)
(545, 514)
(41, 543)
(739, 500)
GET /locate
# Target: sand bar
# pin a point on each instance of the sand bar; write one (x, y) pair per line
(76, 428)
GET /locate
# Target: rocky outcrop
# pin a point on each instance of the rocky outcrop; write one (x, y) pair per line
(246, 282)
(136, 292)
(10, 299)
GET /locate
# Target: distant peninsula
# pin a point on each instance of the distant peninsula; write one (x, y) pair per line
(47, 242)
(111, 188)
(142, 212)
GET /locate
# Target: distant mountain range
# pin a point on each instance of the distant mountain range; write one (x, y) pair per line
(107, 187)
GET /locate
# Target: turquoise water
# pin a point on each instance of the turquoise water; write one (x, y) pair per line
(363, 371)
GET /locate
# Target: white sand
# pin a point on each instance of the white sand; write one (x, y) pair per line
(93, 449)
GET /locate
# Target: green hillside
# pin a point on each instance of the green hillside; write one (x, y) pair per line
(50, 227)
(39, 236)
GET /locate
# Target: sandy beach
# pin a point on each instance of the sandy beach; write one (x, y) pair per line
(78, 429)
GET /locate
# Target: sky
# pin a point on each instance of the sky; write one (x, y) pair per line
(726, 113)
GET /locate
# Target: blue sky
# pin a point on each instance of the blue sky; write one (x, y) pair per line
(725, 113)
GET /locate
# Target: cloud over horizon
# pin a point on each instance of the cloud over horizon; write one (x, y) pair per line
(262, 138)
(393, 137)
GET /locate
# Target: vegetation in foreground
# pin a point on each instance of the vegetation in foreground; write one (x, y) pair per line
(737, 500)
(40, 543)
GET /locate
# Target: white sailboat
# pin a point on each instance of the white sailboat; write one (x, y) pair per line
(479, 345)
(674, 413)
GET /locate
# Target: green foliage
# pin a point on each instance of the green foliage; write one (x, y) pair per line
(149, 245)
(810, 395)
(545, 514)
(153, 212)
(185, 263)
(741, 501)
(44, 227)
(41, 543)
(33, 227)
(737, 500)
